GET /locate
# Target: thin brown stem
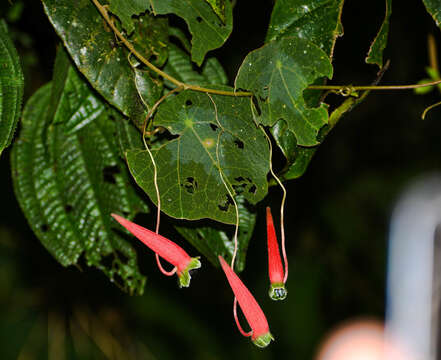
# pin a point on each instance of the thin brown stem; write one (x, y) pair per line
(348, 89)
(103, 11)
(427, 109)
(183, 86)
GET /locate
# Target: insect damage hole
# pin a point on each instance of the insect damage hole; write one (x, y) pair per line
(213, 127)
(239, 143)
(190, 185)
(199, 19)
(109, 173)
(188, 103)
(229, 201)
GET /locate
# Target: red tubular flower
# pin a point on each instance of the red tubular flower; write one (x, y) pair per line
(277, 289)
(165, 248)
(260, 334)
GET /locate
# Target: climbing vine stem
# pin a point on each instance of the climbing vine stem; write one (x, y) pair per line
(282, 204)
(344, 89)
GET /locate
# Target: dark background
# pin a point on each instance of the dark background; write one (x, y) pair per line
(337, 219)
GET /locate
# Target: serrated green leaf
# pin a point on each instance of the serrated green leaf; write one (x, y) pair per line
(125, 9)
(433, 7)
(213, 240)
(277, 74)
(180, 35)
(375, 54)
(129, 138)
(180, 67)
(207, 31)
(72, 102)
(213, 72)
(11, 88)
(67, 187)
(315, 20)
(97, 56)
(189, 177)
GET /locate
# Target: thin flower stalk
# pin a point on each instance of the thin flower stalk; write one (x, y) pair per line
(276, 271)
(165, 248)
(260, 334)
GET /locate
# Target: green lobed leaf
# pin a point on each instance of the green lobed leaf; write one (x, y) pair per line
(375, 54)
(151, 38)
(208, 237)
(207, 30)
(11, 88)
(189, 177)
(277, 74)
(433, 7)
(97, 56)
(126, 9)
(72, 101)
(67, 184)
(298, 157)
(318, 21)
(218, 7)
(315, 20)
(213, 240)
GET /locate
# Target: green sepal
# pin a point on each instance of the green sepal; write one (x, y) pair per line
(263, 340)
(278, 291)
(184, 276)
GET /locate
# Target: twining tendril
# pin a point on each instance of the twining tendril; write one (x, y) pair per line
(236, 231)
(155, 176)
(282, 205)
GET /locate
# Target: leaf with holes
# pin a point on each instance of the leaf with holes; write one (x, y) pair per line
(218, 7)
(190, 168)
(11, 88)
(97, 55)
(214, 239)
(277, 74)
(68, 184)
(207, 30)
(208, 237)
(318, 21)
(151, 38)
(315, 20)
(375, 54)
(126, 9)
